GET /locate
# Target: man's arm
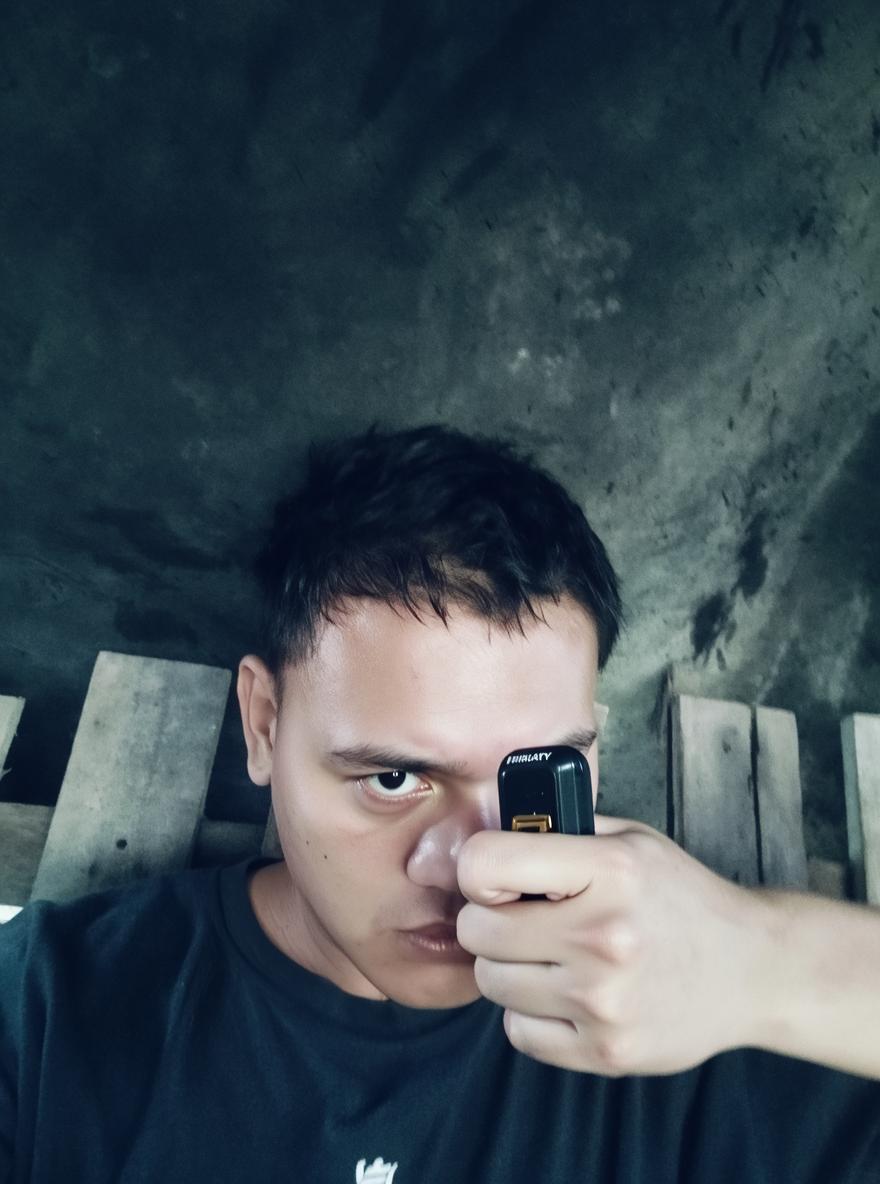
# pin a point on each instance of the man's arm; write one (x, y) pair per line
(644, 961)
(820, 989)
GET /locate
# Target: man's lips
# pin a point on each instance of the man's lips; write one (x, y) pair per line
(438, 931)
(437, 940)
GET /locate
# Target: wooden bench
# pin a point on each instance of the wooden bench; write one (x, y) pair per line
(132, 800)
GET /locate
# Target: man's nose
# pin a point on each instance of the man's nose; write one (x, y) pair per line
(434, 859)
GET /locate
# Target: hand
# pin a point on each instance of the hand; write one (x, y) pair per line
(641, 960)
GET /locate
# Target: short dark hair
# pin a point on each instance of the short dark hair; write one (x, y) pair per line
(427, 517)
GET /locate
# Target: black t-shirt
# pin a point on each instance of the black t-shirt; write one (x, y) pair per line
(156, 1034)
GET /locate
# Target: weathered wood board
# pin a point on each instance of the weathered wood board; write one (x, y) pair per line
(23, 831)
(827, 877)
(21, 834)
(712, 792)
(10, 713)
(860, 737)
(780, 808)
(135, 785)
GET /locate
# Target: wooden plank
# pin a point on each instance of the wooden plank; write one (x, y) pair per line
(23, 831)
(712, 792)
(10, 713)
(780, 808)
(220, 842)
(827, 877)
(15, 869)
(22, 828)
(860, 736)
(137, 777)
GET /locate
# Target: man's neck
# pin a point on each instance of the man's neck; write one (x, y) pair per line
(294, 930)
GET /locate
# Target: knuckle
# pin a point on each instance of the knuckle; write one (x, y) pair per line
(617, 941)
(601, 1004)
(624, 864)
(614, 1054)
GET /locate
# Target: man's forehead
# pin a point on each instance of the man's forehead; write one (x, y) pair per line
(392, 692)
(370, 630)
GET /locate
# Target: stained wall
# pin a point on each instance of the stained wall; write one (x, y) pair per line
(639, 239)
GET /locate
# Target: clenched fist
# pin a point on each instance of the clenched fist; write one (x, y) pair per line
(641, 960)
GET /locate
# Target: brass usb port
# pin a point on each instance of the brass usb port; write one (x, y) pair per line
(533, 822)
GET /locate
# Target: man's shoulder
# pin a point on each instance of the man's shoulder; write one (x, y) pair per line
(128, 930)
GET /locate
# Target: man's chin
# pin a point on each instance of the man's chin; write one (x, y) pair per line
(433, 987)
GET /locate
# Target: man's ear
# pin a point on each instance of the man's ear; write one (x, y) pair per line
(259, 713)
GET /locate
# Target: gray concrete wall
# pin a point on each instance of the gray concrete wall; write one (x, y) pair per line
(642, 239)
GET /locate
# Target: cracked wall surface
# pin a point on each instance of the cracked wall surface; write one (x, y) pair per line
(640, 240)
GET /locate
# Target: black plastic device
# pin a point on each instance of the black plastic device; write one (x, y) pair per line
(546, 789)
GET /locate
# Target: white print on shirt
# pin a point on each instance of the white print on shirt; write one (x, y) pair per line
(379, 1172)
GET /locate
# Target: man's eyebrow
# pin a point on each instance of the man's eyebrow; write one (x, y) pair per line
(366, 756)
(580, 738)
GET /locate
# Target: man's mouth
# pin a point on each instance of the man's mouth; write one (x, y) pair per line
(438, 940)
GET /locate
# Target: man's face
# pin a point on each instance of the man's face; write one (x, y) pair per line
(383, 760)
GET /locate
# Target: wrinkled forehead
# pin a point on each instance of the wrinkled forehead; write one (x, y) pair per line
(468, 684)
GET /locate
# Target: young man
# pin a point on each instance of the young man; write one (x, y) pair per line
(381, 1005)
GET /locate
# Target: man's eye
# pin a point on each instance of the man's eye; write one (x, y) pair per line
(396, 783)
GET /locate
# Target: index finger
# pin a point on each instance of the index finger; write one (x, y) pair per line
(496, 866)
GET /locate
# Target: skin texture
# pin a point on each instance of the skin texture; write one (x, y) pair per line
(641, 960)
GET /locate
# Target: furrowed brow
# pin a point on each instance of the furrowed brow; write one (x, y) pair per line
(365, 756)
(580, 738)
